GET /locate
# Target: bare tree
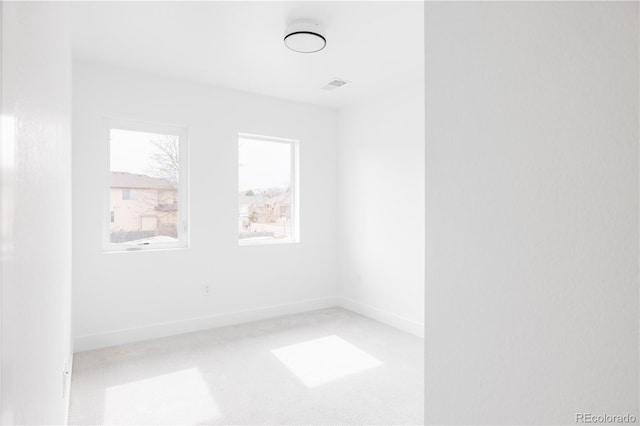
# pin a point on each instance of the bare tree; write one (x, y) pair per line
(164, 164)
(164, 161)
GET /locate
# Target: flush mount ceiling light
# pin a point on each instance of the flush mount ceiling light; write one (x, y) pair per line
(304, 37)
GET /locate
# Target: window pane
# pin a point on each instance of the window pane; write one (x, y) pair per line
(265, 198)
(144, 187)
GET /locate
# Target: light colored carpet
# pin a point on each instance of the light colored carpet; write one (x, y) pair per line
(324, 367)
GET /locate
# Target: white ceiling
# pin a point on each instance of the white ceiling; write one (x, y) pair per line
(378, 46)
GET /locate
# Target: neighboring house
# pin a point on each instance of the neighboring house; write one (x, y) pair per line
(250, 203)
(261, 209)
(250, 208)
(279, 206)
(265, 209)
(142, 204)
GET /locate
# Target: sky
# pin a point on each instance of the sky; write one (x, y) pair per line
(130, 151)
(262, 164)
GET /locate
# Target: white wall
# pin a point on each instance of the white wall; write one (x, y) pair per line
(36, 212)
(121, 297)
(381, 177)
(532, 211)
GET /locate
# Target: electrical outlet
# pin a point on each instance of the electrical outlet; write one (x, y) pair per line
(206, 290)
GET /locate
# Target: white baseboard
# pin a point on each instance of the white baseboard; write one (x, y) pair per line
(396, 321)
(154, 331)
(67, 390)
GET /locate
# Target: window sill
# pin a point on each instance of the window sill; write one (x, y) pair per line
(142, 249)
(267, 242)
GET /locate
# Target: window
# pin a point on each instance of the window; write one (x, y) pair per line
(268, 190)
(129, 194)
(147, 192)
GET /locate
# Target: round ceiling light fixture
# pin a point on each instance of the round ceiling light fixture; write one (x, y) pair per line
(304, 37)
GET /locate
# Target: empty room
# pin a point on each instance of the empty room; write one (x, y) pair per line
(320, 212)
(245, 221)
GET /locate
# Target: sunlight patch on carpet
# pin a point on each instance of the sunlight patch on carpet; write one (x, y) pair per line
(324, 360)
(181, 397)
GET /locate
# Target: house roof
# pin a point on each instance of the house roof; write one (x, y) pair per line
(131, 180)
(259, 199)
(251, 199)
(282, 199)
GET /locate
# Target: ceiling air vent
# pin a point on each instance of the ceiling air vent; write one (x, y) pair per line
(334, 84)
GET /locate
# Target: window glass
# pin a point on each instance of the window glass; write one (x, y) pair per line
(144, 188)
(266, 190)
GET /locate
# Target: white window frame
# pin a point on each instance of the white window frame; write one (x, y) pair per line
(295, 189)
(183, 185)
